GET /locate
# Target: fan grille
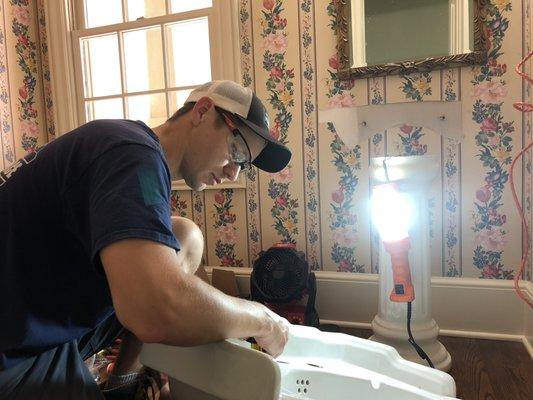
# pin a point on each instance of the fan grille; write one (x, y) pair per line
(280, 274)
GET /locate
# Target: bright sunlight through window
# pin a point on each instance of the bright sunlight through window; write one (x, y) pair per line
(142, 61)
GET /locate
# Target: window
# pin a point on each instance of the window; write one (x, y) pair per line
(139, 59)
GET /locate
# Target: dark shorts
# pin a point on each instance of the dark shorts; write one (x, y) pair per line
(60, 373)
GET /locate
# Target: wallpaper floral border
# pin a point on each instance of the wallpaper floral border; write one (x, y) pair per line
(7, 136)
(199, 217)
(417, 86)
(24, 79)
(247, 76)
(26, 51)
(45, 67)
(310, 128)
(224, 219)
(342, 218)
(377, 145)
(281, 90)
(495, 144)
(451, 185)
(178, 205)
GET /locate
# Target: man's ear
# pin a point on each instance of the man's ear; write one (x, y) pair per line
(201, 107)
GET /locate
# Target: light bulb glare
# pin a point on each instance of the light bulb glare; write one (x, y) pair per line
(391, 212)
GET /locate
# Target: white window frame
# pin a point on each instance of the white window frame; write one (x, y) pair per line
(65, 25)
(460, 21)
(358, 33)
(62, 31)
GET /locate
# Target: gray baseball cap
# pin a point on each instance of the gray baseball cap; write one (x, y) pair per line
(245, 106)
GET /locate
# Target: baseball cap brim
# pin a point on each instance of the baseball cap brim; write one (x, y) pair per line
(275, 156)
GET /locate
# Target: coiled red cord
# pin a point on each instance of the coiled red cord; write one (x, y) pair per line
(524, 107)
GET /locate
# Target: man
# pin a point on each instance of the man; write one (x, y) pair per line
(87, 248)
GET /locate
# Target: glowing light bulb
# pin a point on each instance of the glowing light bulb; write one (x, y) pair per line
(391, 212)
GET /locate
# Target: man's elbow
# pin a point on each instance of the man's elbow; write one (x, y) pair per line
(158, 327)
(147, 327)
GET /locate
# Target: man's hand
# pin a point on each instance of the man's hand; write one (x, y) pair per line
(274, 342)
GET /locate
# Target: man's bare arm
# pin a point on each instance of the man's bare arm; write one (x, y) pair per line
(160, 302)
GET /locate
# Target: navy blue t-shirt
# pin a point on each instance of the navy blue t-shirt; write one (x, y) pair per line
(105, 181)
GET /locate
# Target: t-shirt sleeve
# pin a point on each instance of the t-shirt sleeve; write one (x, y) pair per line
(127, 193)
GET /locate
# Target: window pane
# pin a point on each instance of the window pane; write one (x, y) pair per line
(143, 60)
(101, 65)
(151, 108)
(177, 99)
(95, 16)
(145, 8)
(104, 109)
(188, 5)
(188, 52)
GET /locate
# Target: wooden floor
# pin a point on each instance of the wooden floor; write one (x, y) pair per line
(485, 369)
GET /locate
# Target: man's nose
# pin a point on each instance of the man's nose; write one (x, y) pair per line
(231, 171)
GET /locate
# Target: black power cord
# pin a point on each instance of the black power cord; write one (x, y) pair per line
(411, 340)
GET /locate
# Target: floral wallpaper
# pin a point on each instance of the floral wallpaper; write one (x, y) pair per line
(8, 150)
(26, 108)
(309, 125)
(281, 90)
(494, 140)
(319, 202)
(342, 221)
(47, 87)
(416, 86)
(226, 232)
(247, 71)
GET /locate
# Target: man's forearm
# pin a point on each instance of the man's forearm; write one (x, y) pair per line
(160, 302)
(194, 313)
(181, 309)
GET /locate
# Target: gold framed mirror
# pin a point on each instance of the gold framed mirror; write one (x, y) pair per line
(390, 37)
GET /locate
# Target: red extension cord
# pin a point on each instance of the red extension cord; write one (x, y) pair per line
(524, 107)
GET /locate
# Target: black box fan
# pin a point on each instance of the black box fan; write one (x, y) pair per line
(282, 281)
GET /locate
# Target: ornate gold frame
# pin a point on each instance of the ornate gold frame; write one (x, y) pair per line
(346, 72)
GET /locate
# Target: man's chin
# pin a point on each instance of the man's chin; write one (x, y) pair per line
(198, 186)
(195, 185)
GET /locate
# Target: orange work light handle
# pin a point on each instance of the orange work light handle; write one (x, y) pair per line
(403, 291)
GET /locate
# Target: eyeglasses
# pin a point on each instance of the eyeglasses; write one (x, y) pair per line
(239, 151)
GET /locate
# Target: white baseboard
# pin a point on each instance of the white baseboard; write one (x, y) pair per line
(528, 320)
(465, 307)
(442, 332)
